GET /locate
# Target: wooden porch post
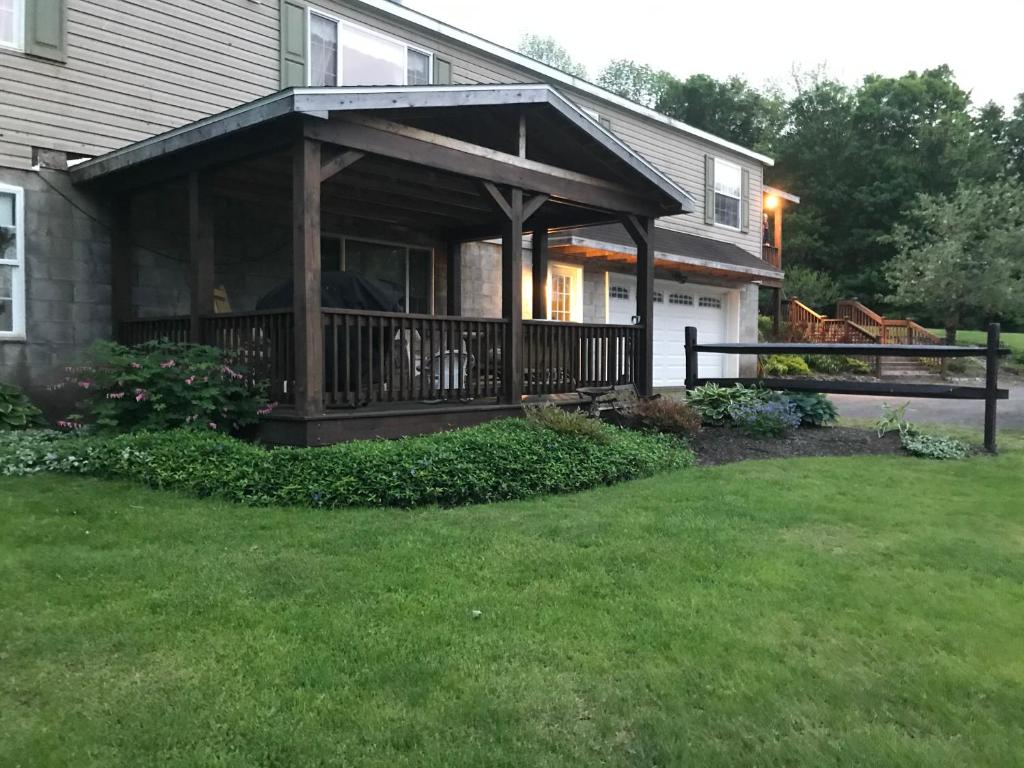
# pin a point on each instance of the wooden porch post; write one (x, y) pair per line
(122, 267)
(641, 229)
(309, 329)
(540, 274)
(453, 278)
(776, 311)
(512, 298)
(201, 255)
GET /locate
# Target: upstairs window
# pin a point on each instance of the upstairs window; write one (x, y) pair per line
(12, 263)
(341, 53)
(728, 186)
(12, 15)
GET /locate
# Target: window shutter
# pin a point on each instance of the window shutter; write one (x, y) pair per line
(709, 189)
(442, 71)
(45, 21)
(744, 200)
(293, 44)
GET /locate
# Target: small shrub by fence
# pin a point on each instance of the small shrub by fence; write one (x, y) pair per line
(990, 393)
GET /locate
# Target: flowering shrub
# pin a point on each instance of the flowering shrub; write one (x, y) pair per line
(769, 419)
(508, 459)
(665, 414)
(161, 385)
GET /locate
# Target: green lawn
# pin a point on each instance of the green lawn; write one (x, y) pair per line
(1015, 341)
(818, 612)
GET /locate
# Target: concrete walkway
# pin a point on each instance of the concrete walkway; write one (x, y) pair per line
(968, 413)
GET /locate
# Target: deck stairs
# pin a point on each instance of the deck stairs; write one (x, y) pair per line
(857, 324)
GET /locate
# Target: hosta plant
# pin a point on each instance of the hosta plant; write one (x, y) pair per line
(713, 402)
(16, 410)
(814, 408)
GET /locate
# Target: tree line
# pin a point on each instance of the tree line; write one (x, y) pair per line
(912, 196)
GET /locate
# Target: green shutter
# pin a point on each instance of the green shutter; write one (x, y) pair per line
(709, 189)
(45, 22)
(744, 200)
(293, 44)
(442, 71)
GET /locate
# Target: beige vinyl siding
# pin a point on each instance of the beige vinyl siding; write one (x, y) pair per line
(136, 68)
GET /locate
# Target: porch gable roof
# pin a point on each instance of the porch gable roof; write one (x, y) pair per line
(322, 102)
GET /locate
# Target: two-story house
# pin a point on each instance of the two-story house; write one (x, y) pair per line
(399, 224)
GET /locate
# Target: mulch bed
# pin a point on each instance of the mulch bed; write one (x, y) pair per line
(724, 445)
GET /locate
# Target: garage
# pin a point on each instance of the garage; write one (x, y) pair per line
(676, 305)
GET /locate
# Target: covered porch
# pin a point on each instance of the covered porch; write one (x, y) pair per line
(354, 205)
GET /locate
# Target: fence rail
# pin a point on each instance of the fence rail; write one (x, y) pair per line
(990, 393)
(146, 329)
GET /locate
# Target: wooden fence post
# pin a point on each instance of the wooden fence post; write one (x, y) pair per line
(991, 386)
(690, 339)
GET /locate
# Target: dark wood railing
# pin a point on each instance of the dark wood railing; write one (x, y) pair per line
(561, 357)
(374, 357)
(262, 342)
(153, 329)
(382, 357)
(771, 254)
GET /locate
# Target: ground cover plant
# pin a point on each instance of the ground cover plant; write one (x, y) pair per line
(508, 459)
(784, 365)
(714, 402)
(773, 418)
(814, 408)
(916, 442)
(763, 613)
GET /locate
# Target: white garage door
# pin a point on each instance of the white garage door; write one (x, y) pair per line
(676, 305)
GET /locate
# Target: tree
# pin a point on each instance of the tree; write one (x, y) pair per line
(1015, 139)
(731, 109)
(962, 255)
(633, 81)
(550, 51)
(813, 287)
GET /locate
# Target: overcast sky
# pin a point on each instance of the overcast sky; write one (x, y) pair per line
(762, 41)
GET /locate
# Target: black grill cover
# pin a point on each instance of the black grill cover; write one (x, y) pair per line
(342, 290)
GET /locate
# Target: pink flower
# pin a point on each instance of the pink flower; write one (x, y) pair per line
(233, 374)
(212, 425)
(190, 380)
(140, 395)
(167, 364)
(85, 383)
(266, 410)
(115, 395)
(136, 365)
(64, 424)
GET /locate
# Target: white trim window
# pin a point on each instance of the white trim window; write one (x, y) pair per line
(12, 262)
(728, 191)
(12, 24)
(342, 53)
(565, 293)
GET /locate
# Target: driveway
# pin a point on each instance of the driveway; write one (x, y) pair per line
(969, 413)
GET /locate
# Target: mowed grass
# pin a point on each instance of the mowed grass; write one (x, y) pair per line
(814, 612)
(1014, 341)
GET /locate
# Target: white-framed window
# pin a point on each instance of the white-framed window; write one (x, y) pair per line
(728, 191)
(12, 23)
(343, 53)
(408, 268)
(710, 302)
(565, 293)
(12, 262)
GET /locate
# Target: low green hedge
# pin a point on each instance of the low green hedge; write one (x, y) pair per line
(501, 460)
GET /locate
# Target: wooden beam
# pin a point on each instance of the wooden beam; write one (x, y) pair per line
(453, 278)
(436, 151)
(498, 197)
(201, 246)
(522, 135)
(636, 229)
(512, 300)
(540, 274)
(532, 205)
(309, 342)
(122, 265)
(642, 231)
(339, 162)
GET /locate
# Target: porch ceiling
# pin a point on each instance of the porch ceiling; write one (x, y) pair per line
(425, 154)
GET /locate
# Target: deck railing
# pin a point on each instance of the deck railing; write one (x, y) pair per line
(561, 357)
(376, 357)
(771, 254)
(382, 357)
